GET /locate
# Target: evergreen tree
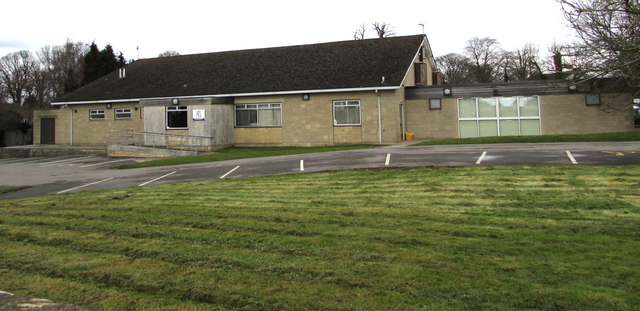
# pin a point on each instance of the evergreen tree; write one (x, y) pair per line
(91, 62)
(100, 63)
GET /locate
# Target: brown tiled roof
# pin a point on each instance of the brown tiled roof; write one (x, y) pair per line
(334, 65)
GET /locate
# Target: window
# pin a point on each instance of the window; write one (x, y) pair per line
(499, 116)
(96, 114)
(435, 103)
(122, 113)
(346, 112)
(258, 115)
(177, 117)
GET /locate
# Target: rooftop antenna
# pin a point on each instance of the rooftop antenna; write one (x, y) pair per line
(138, 51)
(422, 28)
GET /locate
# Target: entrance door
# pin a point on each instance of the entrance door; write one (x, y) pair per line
(48, 131)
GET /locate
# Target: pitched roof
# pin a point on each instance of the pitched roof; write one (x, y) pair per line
(334, 65)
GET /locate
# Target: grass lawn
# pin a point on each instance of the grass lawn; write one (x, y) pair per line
(624, 136)
(233, 153)
(496, 238)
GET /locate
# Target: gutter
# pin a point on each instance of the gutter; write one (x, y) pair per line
(363, 89)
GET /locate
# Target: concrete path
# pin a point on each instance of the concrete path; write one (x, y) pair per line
(62, 175)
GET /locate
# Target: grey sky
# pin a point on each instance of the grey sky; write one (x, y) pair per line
(190, 26)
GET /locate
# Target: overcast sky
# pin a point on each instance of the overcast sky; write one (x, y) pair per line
(200, 26)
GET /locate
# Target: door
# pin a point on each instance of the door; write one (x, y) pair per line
(48, 131)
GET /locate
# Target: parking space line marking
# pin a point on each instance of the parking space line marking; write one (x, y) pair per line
(573, 160)
(85, 185)
(302, 165)
(484, 154)
(14, 160)
(75, 159)
(229, 172)
(29, 161)
(387, 160)
(100, 163)
(156, 179)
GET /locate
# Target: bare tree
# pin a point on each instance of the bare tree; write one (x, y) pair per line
(456, 68)
(523, 64)
(383, 29)
(63, 63)
(169, 53)
(359, 33)
(16, 74)
(486, 56)
(609, 34)
(3, 93)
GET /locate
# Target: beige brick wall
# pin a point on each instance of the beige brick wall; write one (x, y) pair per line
(559, 114)
(568, 114)
(257, 136)
(428, 124)
(310, 123)
(73, 125)
(61, 116)
(347, 135)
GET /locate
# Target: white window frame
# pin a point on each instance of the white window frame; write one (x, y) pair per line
(97, 115)
(173, 109)
(347, 103)
(498, 118)
(122, 112)
(258, 108)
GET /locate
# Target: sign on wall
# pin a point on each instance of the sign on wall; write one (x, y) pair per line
(198, 114)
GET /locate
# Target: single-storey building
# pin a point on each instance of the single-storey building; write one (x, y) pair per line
(349, 92)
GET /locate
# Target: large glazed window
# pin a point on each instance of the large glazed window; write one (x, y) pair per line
(258, 115)
(177, 117)
(499, 116)
(346, 112)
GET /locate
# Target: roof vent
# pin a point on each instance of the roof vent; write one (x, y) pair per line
(122, 73)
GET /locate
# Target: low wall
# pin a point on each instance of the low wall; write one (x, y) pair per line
(49, 151)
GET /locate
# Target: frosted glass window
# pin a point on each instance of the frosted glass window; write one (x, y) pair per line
(509, 128)
(499, 116)
(487, 107)
(488, 128)
(508, 107)
(467, 108)
(468, 129)
(528, 107)
(529, 127)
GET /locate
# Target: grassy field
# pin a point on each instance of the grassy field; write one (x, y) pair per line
(233, 153)
(624, 136)
(497, 238)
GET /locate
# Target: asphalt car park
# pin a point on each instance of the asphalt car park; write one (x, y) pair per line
(60, 175)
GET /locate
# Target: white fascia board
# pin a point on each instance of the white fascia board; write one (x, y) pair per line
(362, 89)
(96, 102)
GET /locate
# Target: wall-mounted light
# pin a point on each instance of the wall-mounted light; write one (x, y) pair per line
(573, 88)
(447, 91)
(75, 111)
(109, 105)
(175, 101)
(306, 96)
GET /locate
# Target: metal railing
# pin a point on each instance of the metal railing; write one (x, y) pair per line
(162, 140)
